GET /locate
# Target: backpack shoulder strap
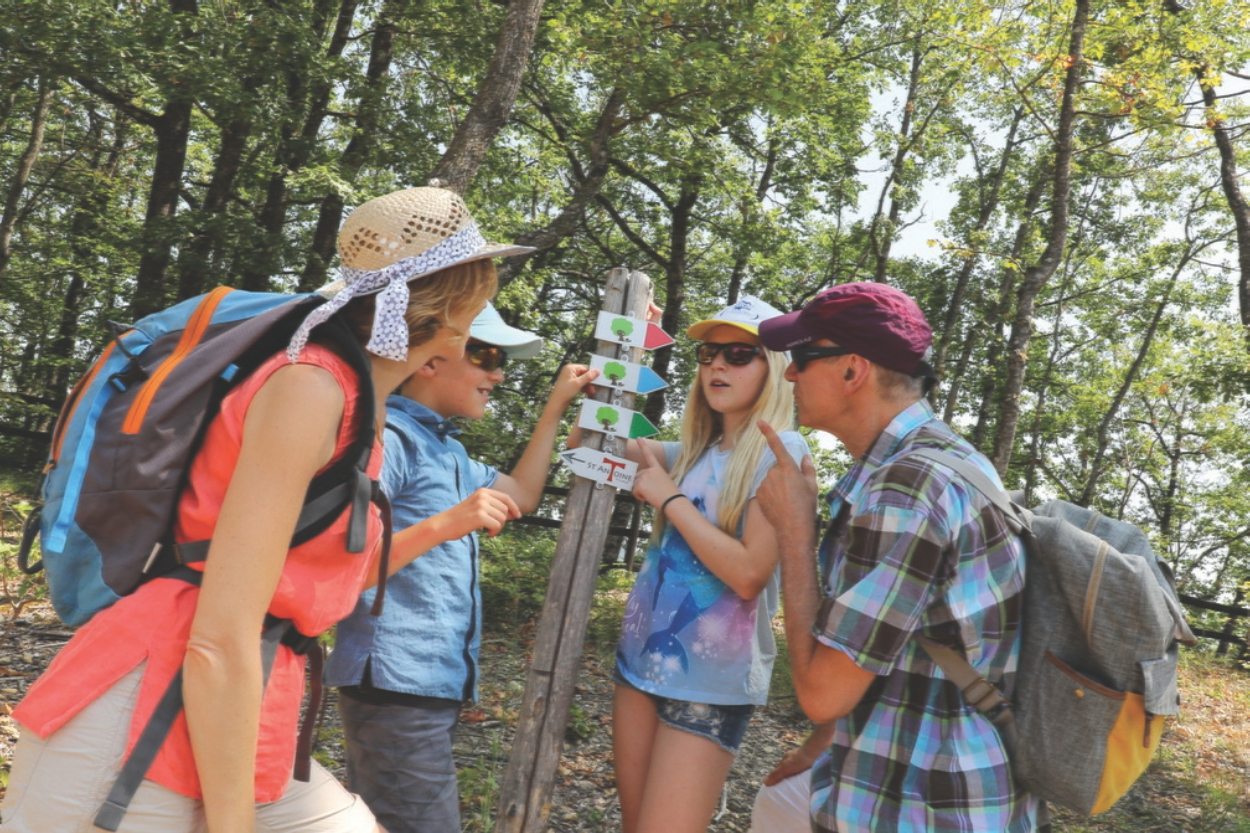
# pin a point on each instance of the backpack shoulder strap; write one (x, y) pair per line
(978, 479)
(979, 692)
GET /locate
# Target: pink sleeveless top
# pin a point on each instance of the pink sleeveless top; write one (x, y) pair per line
(318, 587)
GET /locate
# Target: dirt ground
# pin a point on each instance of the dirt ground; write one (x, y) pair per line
(585, 794)
(1199, 783)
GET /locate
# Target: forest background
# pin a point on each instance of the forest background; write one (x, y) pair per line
(1085, 263)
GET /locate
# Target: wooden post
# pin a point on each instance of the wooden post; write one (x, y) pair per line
(525, 792)
(1226, 636)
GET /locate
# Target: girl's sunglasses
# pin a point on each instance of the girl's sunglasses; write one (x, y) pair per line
(489, 357)
(735, 352)
(802, 355)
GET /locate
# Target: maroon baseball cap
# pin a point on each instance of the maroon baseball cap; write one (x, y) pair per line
(871, 319)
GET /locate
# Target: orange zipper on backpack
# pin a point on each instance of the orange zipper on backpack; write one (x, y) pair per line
(191, 335)
(71, 404)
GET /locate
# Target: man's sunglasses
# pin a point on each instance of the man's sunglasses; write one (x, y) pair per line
(489, 357)
(735, 352)
(804, 354)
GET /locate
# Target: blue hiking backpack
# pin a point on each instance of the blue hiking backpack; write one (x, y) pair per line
(130, 427)
(121, 448)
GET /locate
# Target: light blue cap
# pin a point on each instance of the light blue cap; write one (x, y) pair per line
(489, 327)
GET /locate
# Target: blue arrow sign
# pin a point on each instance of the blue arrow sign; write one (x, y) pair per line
(625, 375)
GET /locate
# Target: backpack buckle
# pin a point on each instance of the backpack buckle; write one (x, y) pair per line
(983, 696)
(1000, 714)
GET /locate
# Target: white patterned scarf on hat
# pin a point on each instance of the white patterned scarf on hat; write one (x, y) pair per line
(389, 337)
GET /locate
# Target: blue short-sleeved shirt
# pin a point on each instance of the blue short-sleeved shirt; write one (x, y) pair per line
(426, 640)
(686, 635)
(916, 550)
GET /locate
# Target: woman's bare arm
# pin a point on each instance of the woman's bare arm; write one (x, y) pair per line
(288, 434)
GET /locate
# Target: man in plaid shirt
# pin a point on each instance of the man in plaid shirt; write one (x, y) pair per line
(912, 550)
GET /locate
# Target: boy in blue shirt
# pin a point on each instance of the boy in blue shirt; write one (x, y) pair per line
(404, 675)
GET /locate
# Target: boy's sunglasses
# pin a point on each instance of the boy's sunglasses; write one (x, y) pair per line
(804, 354)
(735, 352)
(489, 357)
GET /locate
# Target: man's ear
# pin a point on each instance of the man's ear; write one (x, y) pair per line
(856, 372)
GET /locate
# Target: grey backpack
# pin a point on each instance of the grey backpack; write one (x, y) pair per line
(1101, 625)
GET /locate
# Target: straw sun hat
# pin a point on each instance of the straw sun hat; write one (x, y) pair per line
(390, 241)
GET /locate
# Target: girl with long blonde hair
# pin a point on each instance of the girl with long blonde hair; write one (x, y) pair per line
(696, 648)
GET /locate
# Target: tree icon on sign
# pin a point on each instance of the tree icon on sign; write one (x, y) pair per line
(615, 371)
(622, 327)
(607, 417)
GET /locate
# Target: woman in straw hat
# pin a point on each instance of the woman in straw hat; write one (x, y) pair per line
(696, 648)
(415, 271)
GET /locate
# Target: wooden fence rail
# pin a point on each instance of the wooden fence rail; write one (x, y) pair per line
(633, 533)
(1228, 634)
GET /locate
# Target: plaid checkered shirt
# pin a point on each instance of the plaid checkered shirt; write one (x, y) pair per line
(915, 550)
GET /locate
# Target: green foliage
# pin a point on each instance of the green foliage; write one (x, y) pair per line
(515, 569)
(17, 589)
(478, 781)
(772, 147)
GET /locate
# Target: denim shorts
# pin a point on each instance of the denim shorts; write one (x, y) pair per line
(722, 725)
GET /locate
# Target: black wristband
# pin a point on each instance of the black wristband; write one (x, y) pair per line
(669, 500)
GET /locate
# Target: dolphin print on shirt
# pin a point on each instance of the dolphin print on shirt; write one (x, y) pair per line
(704, 588)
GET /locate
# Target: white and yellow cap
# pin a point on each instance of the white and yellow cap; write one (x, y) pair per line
(746, 314)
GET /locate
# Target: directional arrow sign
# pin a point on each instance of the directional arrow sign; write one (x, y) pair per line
(623, 375)
(615, 420)
(632, 332)
(601, 467)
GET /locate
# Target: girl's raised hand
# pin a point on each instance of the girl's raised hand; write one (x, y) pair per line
(652, 483)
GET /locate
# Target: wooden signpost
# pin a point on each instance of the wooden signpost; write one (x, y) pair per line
(525, 792)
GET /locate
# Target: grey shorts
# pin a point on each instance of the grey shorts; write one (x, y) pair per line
(724, 726)
(399, 758)
(58, 784)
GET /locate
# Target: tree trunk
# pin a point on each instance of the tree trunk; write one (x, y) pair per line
(495, 96)
(193, 265)
(1130, 376)
(985, 210)
(747, 211)
(674, 290)
(997, 317)
(589, 182)
(90, 207)
(1236, 200)
(1036, 276)
(172, 127)
(880, 239)
(25, 164)
(368, 111)
(263, 259)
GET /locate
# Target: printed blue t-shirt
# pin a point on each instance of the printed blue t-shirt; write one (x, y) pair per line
(686, 635)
